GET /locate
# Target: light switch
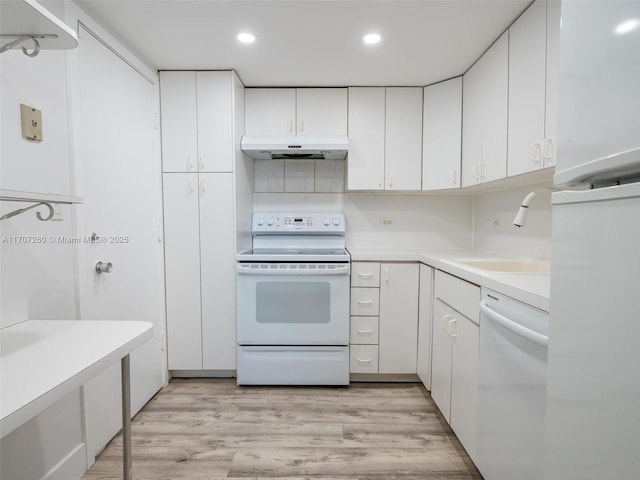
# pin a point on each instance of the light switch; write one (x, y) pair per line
(31, 123)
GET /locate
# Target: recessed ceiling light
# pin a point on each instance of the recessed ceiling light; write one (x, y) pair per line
(371, 38)
(627, 26)
(246, 37)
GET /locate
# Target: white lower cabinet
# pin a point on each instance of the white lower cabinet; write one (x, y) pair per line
(199, 259)
(398, 343)
(384, 317)
(454, 368)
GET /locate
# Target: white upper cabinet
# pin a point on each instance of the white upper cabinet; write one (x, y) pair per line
(296, 111)
(484, 116)
(365, 162)
(197, 121)
(385, 138)
(442, 135)
(552, 85)
(527, 58)
(321, 111)
(403, 143)
(179, 123)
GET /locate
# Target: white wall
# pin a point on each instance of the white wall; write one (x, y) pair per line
(494, 232)
(418, 221)
(37, 280)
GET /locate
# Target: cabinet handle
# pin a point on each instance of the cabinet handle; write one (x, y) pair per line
(482, 170)
(454, 177)
(201, 161)
(380, 184)
(290, 126)
(203, 185)
(536, 154)
(453, 330)
(365, 302)
(547, 152)
(365, 332)
(386, 274)
(192, 186)
(476, 171)
(301, 126)
(190, 165)
(364, 360)
(365, 275)
(391, 181)
(446, 322)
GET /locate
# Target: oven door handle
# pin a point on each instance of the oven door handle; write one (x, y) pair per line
(247, 269)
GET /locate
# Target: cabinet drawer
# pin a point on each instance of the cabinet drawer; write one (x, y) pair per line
(365, 274)
(364, 359)
(365, 301)
(364, 331)
(459, 294)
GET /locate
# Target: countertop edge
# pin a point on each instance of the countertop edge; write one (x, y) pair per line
(514, 286)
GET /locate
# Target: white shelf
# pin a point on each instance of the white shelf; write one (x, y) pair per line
(28, 17)
(20, 196)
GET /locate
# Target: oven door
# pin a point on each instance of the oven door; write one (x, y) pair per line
(281, 304)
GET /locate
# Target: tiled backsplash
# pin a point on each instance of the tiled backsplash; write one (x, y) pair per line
(299, 176)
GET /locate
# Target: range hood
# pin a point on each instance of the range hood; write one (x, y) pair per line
(271, 147)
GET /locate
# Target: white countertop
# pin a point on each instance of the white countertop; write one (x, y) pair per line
(43, 360)
(532, 289)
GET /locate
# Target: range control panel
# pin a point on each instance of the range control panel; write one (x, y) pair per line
(308, 223)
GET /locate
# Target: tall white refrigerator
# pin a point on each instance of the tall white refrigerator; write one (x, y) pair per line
(593, 389)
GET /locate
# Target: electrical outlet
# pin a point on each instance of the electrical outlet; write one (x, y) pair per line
(31, 123)
(386, 221)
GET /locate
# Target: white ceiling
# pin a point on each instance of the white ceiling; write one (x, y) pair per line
(310, 42)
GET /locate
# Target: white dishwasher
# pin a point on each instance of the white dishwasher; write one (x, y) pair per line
(512, 388)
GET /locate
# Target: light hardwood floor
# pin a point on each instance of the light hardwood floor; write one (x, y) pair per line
(212, 429)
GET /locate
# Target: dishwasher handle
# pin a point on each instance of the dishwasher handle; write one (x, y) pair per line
(524, 332)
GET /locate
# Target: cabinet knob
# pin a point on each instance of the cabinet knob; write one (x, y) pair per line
(104, 267)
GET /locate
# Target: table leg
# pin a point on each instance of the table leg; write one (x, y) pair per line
(126, 418)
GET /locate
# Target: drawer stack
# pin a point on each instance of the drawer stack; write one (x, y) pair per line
(365, 311)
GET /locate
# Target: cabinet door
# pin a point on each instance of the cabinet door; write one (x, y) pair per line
(441, 137)
(217, 271)
(179, 125)
(495, 83)
(527, 57)
(484, 116)
(403, 138)
(441, 358)
(270, 111)
(365, 162)
(215, 121)
(182, 267)
(552, 80)
(425, 315)
(321, 111)
(398, 329)
(464, 382)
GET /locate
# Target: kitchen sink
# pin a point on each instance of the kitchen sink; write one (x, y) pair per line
(507, 265)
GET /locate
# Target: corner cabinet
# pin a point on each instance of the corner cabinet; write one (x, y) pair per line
(385, 138)
(456, 339)
(442, 135)
(197, 121)
(484, 116)
(296, 111)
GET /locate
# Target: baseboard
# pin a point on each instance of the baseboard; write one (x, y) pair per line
(384, 377)
(202, 373)
(73, 466)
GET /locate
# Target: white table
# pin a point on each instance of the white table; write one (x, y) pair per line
(44, 360)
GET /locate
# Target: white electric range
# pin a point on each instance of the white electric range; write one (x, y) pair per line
(293, 301)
